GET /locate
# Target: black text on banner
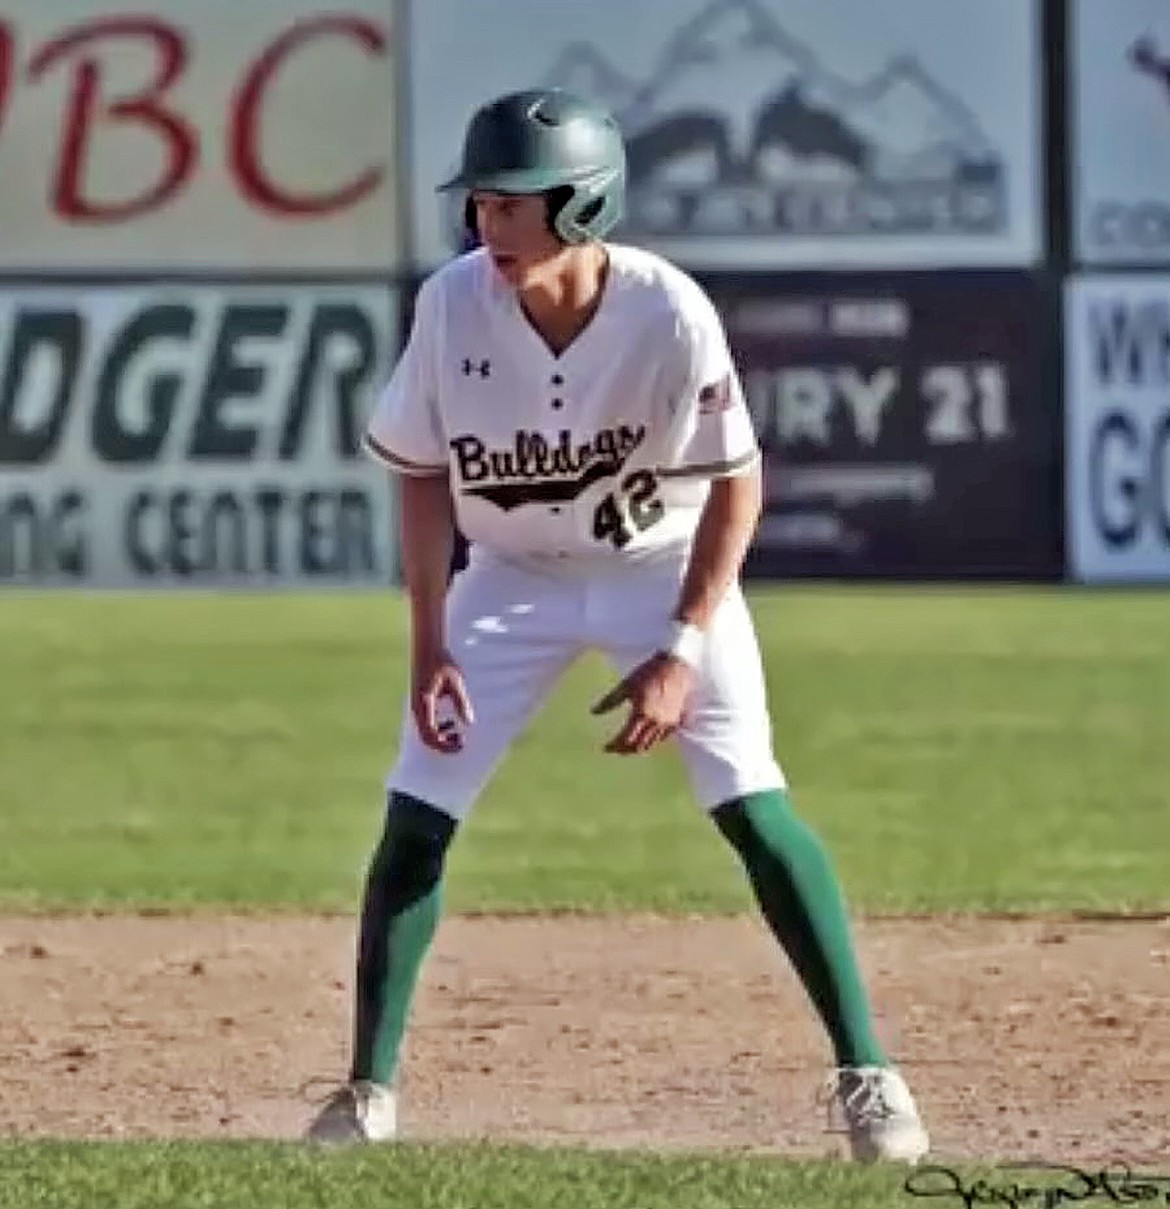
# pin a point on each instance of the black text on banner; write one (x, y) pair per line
(1117, 407)
(908, 425)
(192, 436)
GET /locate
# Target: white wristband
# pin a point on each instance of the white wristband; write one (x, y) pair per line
(686, 643)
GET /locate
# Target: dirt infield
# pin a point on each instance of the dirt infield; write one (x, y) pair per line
(1022, 1039)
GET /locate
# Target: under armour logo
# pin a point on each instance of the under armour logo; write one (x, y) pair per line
(483, 368)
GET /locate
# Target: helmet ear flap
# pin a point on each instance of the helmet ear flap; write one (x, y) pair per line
(592, 209)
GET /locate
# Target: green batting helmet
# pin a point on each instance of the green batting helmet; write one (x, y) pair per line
(546, 139)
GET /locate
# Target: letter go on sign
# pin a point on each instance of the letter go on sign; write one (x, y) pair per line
(1117, 348)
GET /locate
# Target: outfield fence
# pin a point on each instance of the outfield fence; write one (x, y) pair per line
(939, 236)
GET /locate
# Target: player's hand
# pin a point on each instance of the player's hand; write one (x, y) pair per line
(657, 691)
(436, 683)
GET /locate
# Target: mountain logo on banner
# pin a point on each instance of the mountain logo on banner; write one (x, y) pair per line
(742, 129)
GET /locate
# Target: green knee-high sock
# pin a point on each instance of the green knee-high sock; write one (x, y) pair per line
(400, 912)
(801, 900)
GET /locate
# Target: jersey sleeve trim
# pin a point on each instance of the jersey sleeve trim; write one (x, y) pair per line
(397, 462)
(712, 470)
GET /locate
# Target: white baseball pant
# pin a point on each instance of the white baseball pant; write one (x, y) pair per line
(514, 630)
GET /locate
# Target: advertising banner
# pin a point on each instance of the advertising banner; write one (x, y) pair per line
(1117, 407)
(220, 136)
(1120, 131)
(908, 426)
(193, 436)
(766, 133)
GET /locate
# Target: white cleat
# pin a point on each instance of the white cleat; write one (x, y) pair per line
(880, 1114)
(360, 1111)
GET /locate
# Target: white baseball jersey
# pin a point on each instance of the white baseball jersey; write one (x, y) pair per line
(603, 452)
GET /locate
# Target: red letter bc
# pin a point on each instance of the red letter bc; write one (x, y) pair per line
(243, 148)
(7, 67)
(86, 108)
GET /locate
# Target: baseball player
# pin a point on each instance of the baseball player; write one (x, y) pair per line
(571, 405)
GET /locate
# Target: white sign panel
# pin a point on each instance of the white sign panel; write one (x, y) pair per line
(767, 133)
(1117, 342)
(1120, 63)
(193, 436)
(220, 135)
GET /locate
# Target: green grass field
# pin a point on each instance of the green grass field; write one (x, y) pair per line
(216, 1176)
(960, 750)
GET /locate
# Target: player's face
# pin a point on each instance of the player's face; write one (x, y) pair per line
(514, 229)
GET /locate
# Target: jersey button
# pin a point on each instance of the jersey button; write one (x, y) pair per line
(557, 380)
(555, 509)
(558, 404)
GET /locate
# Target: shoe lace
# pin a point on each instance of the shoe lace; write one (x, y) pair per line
(860, 1095)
